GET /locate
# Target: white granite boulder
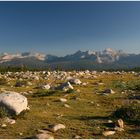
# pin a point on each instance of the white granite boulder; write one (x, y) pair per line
(14, 102)
(75, 81)
(66, 86)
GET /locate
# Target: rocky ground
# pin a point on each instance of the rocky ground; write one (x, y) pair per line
(76, 104)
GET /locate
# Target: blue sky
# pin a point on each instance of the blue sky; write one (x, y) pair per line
(64, 27)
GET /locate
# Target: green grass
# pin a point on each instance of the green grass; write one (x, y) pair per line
(129, 85)
(88, 113)
(3, 112)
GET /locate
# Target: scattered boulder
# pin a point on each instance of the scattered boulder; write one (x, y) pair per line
(66, 86)
(29, 83)
(108, 133)
(75, 81)
(56, 127)
(109, 91)
(46, 86)
(44, 135)
(63, 100)
(20, 134)
(116, 128)
(66, 105)
(110, 121)
(84, 84)
(77, 137)
(3, 125)
(9, 121)
(78, 90)
(120, 123)
(14, 102)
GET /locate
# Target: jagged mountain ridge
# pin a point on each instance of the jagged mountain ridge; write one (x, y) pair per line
(106, 59)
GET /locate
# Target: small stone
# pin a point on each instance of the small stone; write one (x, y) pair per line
(57, 127)
(78, 90)
(118, 129)
(78, 137)
(110, 121)
(120, 123)
(44, 136)
(28, 108)
(92, 102)
(20, 134)
(3, 125)
(97, 105)
(84, 84)
(63, 100)
(75, 81)
(110, 91)
(10, 121)
(46, 87)
(66, 105)
(48, 104)
(58, 115)
(108, 133)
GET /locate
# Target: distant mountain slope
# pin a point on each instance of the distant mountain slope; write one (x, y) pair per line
(30, 62)
(107, 59)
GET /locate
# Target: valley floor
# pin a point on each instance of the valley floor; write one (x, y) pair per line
(87, 111)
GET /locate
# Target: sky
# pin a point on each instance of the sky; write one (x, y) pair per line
(64, 27)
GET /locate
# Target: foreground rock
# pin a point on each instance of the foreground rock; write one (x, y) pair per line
(44, 136)
(108, 91)
(108, 133)
(116, 128)
(120, 123)
(3, 125)
(63, 100)
(66, 86)
(56, 127)
(14, 102)
(9, 121)
(47, 87)
(75, 81)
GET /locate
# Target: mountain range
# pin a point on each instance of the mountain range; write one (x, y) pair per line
(80, 60)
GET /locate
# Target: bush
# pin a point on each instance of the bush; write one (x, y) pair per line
(70, 91)
(130, 85)
(130, 113)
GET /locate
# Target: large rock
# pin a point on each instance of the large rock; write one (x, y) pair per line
(108, 91)
(108, 133)
(65, 86)
(56, 127)
(14, 102)
(120, 123)
(44, 136)
(47, 87)
(75, 81)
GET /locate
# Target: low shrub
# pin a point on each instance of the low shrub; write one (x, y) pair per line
(129, 113)
(70, 91)
(130, 85)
